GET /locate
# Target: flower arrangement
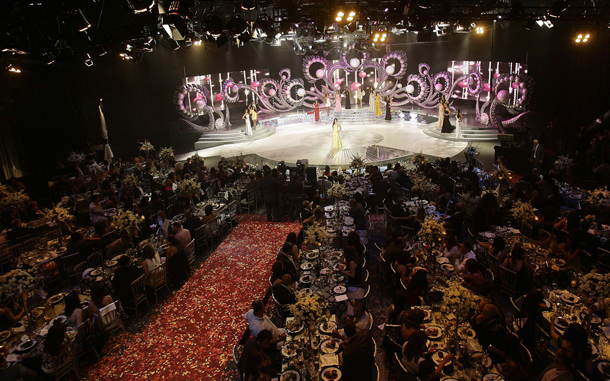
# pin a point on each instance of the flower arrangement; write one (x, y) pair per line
(502, 173)
(126, 221)
(188, 188)
(419, 159)
(422, 185)
(431, 230)
(309, 307)
(76, 157)
(16, 199)
(237, 162)
(563, 162)
(470, 152)
(523, 211)
(4, 190)
(357, 162)
(316, 233)
(57, 214)
(146, 146)
(166, 153)
(96, 168)
(595, 285)
(458, 298)
(599, 196)
(17, 281)
(337, 191)
(131, 181)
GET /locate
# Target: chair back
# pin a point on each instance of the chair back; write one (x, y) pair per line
(604, 257)
(213, 226)
(31, 244)
(543, 235)
(65, 361)
(526, 229)
(157, 276)
(53, 234)
(109, 315)
(200, 232)
(78, 270)
(371, 321)
(69, 263)
(85, 333)
(190, 251)
(233, 208)
(95, 260)
(23, 238)
(488, 274)
(138, 288)
(585, 260)
(508, 280)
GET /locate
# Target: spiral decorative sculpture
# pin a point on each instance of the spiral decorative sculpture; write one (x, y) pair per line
(192, 102)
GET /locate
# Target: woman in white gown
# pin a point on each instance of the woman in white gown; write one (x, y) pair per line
(336, 139)
(246, 117)
(458, 123)
(371, 101)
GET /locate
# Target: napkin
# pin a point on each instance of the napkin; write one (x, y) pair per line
(329, 360)
(340, 298)
(11, 358)
(442, 260)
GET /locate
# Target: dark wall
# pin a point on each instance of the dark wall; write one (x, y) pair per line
(56, 106)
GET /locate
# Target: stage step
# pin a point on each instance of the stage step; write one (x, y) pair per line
(213, 139)
(466, 135)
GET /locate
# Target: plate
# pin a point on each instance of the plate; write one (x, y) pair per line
(327, 327)
(96, 272)
(437, 357)
(436, 345)
(604, 368)
(38, 312)
(339, 290)
(42, 259)
(330, 346)
(535, 267)
(570, 298)
(26, 345)
(294, 328)
(306, 279)
(111, 263)
(561, 323)
(427, 314)
(331, 374)
(336, 253)
(481, 358)
(447, 267)
(340, 267)
(289, 350)
(326, 271)
(311, 255)
(434, 332)
(493, 377)
(61, 250)
(595, 319)
(290, 375)
(337, 278)
(4, 335)
(59, 318)
(594, 349)
(558, 262)
(466, 332)
(306, 266)
(56, 299)
(304, 292)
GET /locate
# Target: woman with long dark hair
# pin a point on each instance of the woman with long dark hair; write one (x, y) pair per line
(73, 310)
(354, 266)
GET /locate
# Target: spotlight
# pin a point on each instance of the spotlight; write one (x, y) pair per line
(558, 7)
(197, 43)
(582, 37)
(13, 69)
(340, 14)
(213, 26)
(237, 25)
(49, 58)
(99, 50)
(338, 19)
(479, 30)
(79, 20)
(530, 24)
(379, 37)
(248, 5)
(87, 60)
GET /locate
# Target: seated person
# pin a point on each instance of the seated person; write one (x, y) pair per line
(73, 310)
(560, 369)
(414, 352)
(266, 347)
(8, 318)
(415, 285)
(209, 214)
(465, 254)
(357, 212)
(99, 298)
(354, 269)
(258, 321)
(357, 355)
(123, 277)
(55, 341)
(490, 329)
(119, 246)
(191, 222)
(150, 259)
(285, 256)
(283, 292)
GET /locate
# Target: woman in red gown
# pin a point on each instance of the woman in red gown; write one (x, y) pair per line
(317, 110)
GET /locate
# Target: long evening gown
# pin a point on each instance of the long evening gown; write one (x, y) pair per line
(441, 115)
(388, 110)
(372, 101)
(317, 112)
(336, 139)
(348, 102)
(447, 127)
(458, 127)
(337, 102)
(248, 126)
(378, 111)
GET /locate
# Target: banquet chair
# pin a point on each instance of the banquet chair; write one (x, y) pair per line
(214, 230)
(110, 317)
(518, 304)
(526, 229)
(138, 289)
(604, 258)
(471, 236)
(201, 238)
(236, 355)
(50, 274)
(82, 209)
(402, 371)
(249, 201)
(95, 260)
(84, 339)
(65, 362)
(543, 235)
(508, 281)
(489, 275)
(30, 244)
(367, 291)
(53, 234)
(23, 238)
(190, 252)
(68, 264)
(78, 272)
(233, 211)
(585, 261)
(146, 186)
(375, 372)
(371, 320)
(405, 193)
(157, 280)
(6, 257)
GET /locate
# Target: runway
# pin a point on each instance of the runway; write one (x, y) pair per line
(378, 141)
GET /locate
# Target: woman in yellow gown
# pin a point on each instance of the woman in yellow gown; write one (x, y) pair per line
(378, 111)
(336, 139)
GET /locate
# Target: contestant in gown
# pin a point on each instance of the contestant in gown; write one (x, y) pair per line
(359, 95)
(246, 117)
(441, 111)
(378, 111)
(253, 115)
(348, 102)
(328, 104)
(371, 100)
(316, 112)
(458, 123)
(336, 139)
(337, 101)
(388, 108)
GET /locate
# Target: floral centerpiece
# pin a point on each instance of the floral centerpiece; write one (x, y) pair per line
(188, 188)
(309, 307)
(457, 298)
(146, 146)
(357, 163)
(237, 162)
(16, 282)
(76, 157)
(422, 186)
(431, 230)
(595, 285)
(599, 196)
(57, 214)
(131, 181)
(523, 211)
(17, 199)
(337, 191)
(563, 162)
(470, 152)
(502, 173)
(316, 234)
(419, 159)
(166, 153)
(96, 168)
(126, 221)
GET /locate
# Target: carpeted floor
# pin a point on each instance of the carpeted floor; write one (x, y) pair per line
(191, 335)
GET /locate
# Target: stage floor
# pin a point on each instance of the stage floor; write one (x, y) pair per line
(379, 141)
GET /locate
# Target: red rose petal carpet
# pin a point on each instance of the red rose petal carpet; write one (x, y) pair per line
(192, 334)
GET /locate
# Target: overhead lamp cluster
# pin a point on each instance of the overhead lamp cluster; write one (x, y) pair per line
(379, 37)
(582, 37)
(345, 16)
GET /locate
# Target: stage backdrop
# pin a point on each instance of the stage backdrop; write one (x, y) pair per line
(55, 107)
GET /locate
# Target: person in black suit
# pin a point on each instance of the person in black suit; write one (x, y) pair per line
(123, 276)
(191, 222)
(537, 155)
(283, 293)
(285, 256)
(270, 190)
(357, 354)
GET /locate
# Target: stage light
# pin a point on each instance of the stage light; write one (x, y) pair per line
(340, 14)
(49, 58)
(79, 20)
(197, 43)
(352, 14)
(248, 5)
(338, 18)
(530, 24)
(13, 69)
(479, 30)
(213, 26)
(558, 7)
(582, 37)
(87, 60)
(237, 25)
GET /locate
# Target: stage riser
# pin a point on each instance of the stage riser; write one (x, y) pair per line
(466, 135)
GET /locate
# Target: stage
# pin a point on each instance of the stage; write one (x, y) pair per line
(373, 139)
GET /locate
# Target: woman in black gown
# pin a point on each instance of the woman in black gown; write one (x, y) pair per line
(388, 110)
(348, 103)
(447, 127)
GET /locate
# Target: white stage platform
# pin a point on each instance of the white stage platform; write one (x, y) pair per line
(376, 141)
